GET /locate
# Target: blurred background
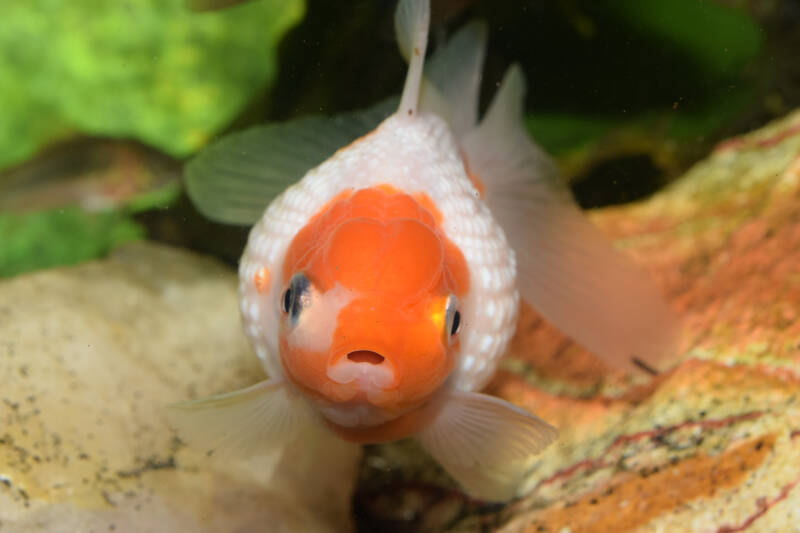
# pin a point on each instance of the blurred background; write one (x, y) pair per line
(102, 102)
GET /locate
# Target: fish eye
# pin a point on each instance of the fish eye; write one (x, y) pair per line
(455, 326)
(287, 300)
(296, 297)
(452, 317)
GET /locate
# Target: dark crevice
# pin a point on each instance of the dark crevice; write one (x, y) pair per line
(618, 181)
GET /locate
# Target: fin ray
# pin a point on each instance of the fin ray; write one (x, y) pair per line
(411, 23)
(244, 422)
(485, 442)
(456, 71)
(235, 178)
(567, 269)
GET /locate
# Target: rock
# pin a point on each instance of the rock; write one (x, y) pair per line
(713, 444)
(89, 358)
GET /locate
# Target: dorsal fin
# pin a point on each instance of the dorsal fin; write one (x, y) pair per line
(411, 26)
(453, 75)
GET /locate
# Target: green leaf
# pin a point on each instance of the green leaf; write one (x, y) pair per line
(43, 239)
(149, 69)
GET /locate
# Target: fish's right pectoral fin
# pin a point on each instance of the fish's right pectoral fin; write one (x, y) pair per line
(485, 443)
(242, 423)
(234, 178)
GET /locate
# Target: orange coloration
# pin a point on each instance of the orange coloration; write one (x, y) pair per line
(375, 214)
(426, 203)
(387, 250)
(356, 251)
(261, 280)
(667, 487)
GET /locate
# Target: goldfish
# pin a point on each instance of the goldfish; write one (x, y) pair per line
(381, 290)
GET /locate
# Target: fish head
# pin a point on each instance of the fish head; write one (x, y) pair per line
(370, 307)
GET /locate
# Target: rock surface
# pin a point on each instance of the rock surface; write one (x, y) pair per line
(89, 357)
(711, 445)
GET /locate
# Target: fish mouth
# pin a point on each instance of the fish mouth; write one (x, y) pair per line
(366, 356)
(367, 370)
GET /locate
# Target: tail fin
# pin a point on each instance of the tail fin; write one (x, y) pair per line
(567, 269)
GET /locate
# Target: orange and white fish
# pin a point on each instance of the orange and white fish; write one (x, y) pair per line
(381, 290)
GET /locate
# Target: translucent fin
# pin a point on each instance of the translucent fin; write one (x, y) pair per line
(485, 443)
(567, 269)
(411, 27)
(242, 423)
(456, 71)
(234, 179)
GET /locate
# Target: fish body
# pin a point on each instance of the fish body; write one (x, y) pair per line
(392, 227)
(382, 288)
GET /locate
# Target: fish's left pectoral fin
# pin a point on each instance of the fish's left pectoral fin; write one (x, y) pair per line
(243, 423)
(485, 443)
(566, 268)
(234, 178)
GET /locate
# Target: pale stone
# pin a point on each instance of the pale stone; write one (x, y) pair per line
(89, 358)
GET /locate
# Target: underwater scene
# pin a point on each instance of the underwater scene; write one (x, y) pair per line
(400, 266)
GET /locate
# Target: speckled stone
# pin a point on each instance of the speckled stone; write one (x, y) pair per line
(89, 358)
(712, 444)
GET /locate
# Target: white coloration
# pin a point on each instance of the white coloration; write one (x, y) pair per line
(253, 311)
(317, 323)
(567, 268)
(347, 415)
(486, 343)
(416, 155)
(455, 75)
(371, 378)
(467, 362)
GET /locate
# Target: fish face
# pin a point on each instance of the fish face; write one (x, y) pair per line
(370, 309)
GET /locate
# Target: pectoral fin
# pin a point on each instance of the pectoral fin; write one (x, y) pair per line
(242, 423)
(485, 442)
(235, 178)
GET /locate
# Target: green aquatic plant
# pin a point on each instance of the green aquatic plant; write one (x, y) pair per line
(151, 69)
(42, 239)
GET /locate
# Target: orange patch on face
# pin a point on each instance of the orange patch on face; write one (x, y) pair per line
(371, 255)
(261, 280)
(376, 228)
(389, 250)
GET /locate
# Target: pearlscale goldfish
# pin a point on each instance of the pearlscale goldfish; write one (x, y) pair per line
(381, 290)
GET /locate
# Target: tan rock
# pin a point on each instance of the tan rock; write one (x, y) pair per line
(89, 357)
